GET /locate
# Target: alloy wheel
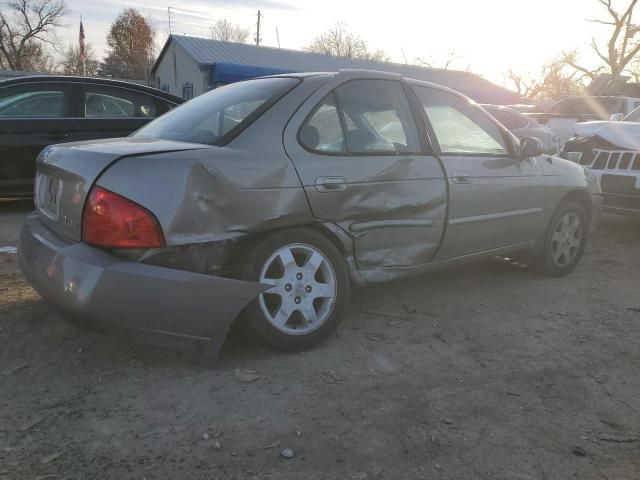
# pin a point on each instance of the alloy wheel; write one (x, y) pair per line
(303, 289)
(566, 239)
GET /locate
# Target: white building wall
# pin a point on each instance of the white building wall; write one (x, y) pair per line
(172, 77)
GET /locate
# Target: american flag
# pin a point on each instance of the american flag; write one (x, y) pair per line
(82, 52)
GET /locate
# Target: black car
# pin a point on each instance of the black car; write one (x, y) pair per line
(41, 110)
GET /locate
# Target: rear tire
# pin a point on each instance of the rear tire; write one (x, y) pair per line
(565, 240)
(310, 292)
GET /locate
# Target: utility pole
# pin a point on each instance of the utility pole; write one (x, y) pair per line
(169, 11)
(278, 36)
(258, 29)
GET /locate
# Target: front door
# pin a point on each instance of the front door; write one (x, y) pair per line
(495, 198)
(32, 116)
(361, 160)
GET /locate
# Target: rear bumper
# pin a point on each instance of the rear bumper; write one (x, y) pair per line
(104, 292)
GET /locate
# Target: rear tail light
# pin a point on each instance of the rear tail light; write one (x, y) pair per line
(110, 220)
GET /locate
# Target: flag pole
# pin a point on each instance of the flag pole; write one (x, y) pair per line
(82, 49)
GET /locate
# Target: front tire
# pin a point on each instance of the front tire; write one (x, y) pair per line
(310, 289)
(565, 240)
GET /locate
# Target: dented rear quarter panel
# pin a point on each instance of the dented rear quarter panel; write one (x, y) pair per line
(221, 193)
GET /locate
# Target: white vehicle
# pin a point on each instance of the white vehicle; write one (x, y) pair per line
(611, 149)
(562, 116)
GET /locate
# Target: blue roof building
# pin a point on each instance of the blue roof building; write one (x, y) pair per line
(189, 66)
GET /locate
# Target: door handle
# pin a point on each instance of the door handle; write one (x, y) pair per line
(461, 177)
(330, 184)
(57, 135)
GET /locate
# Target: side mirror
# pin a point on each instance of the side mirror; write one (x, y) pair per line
(530, 147)
(616, 117)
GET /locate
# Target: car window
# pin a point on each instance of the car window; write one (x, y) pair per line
(460, 126)
(378, 117)
(322, 131)
(103, 101)
(209, 117)
(508, 118)
(32, 101)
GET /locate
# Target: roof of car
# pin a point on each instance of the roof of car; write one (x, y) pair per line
(355, 73)
(94, 80)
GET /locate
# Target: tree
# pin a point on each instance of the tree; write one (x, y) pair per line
(621, 47)
(26, 28)
(339, 42)
(226, 31)
(446, 64)
(131, 46)
(72, 61)
(554, 81)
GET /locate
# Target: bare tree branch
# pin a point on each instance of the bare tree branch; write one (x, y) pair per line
(339, 42)
(620, 48)
(448, 61)
(226, 31)
(25, 25)
(554, 81)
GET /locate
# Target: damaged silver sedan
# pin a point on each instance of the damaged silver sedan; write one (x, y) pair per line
(275, 196)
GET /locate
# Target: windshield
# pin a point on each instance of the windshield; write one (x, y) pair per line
(209, 117)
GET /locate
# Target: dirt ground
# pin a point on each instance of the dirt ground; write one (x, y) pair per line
(482, 372)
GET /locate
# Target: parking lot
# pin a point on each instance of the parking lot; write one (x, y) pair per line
(486, 371)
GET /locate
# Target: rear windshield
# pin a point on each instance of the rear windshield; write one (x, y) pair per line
(209, 118)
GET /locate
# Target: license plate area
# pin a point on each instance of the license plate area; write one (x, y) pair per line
(48, 192)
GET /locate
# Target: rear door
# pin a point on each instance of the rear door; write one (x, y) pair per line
(32, 116)
(362, 162)
(108, 111)
(495, 199)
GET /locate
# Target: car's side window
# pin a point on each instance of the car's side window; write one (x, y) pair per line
(460, 127)
(101, 101)
(322, 132)
(509, 119)
(378, 117)
(32, 101)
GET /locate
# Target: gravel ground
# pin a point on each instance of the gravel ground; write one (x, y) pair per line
(481, 372)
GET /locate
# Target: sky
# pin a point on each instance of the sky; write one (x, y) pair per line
(487, 36)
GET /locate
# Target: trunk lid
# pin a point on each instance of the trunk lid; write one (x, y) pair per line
(66, 172)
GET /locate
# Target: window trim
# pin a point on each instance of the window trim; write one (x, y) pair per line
(422, 151)
(437, 149)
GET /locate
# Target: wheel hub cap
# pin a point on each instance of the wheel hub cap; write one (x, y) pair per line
(566, 239)
(303, 289)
